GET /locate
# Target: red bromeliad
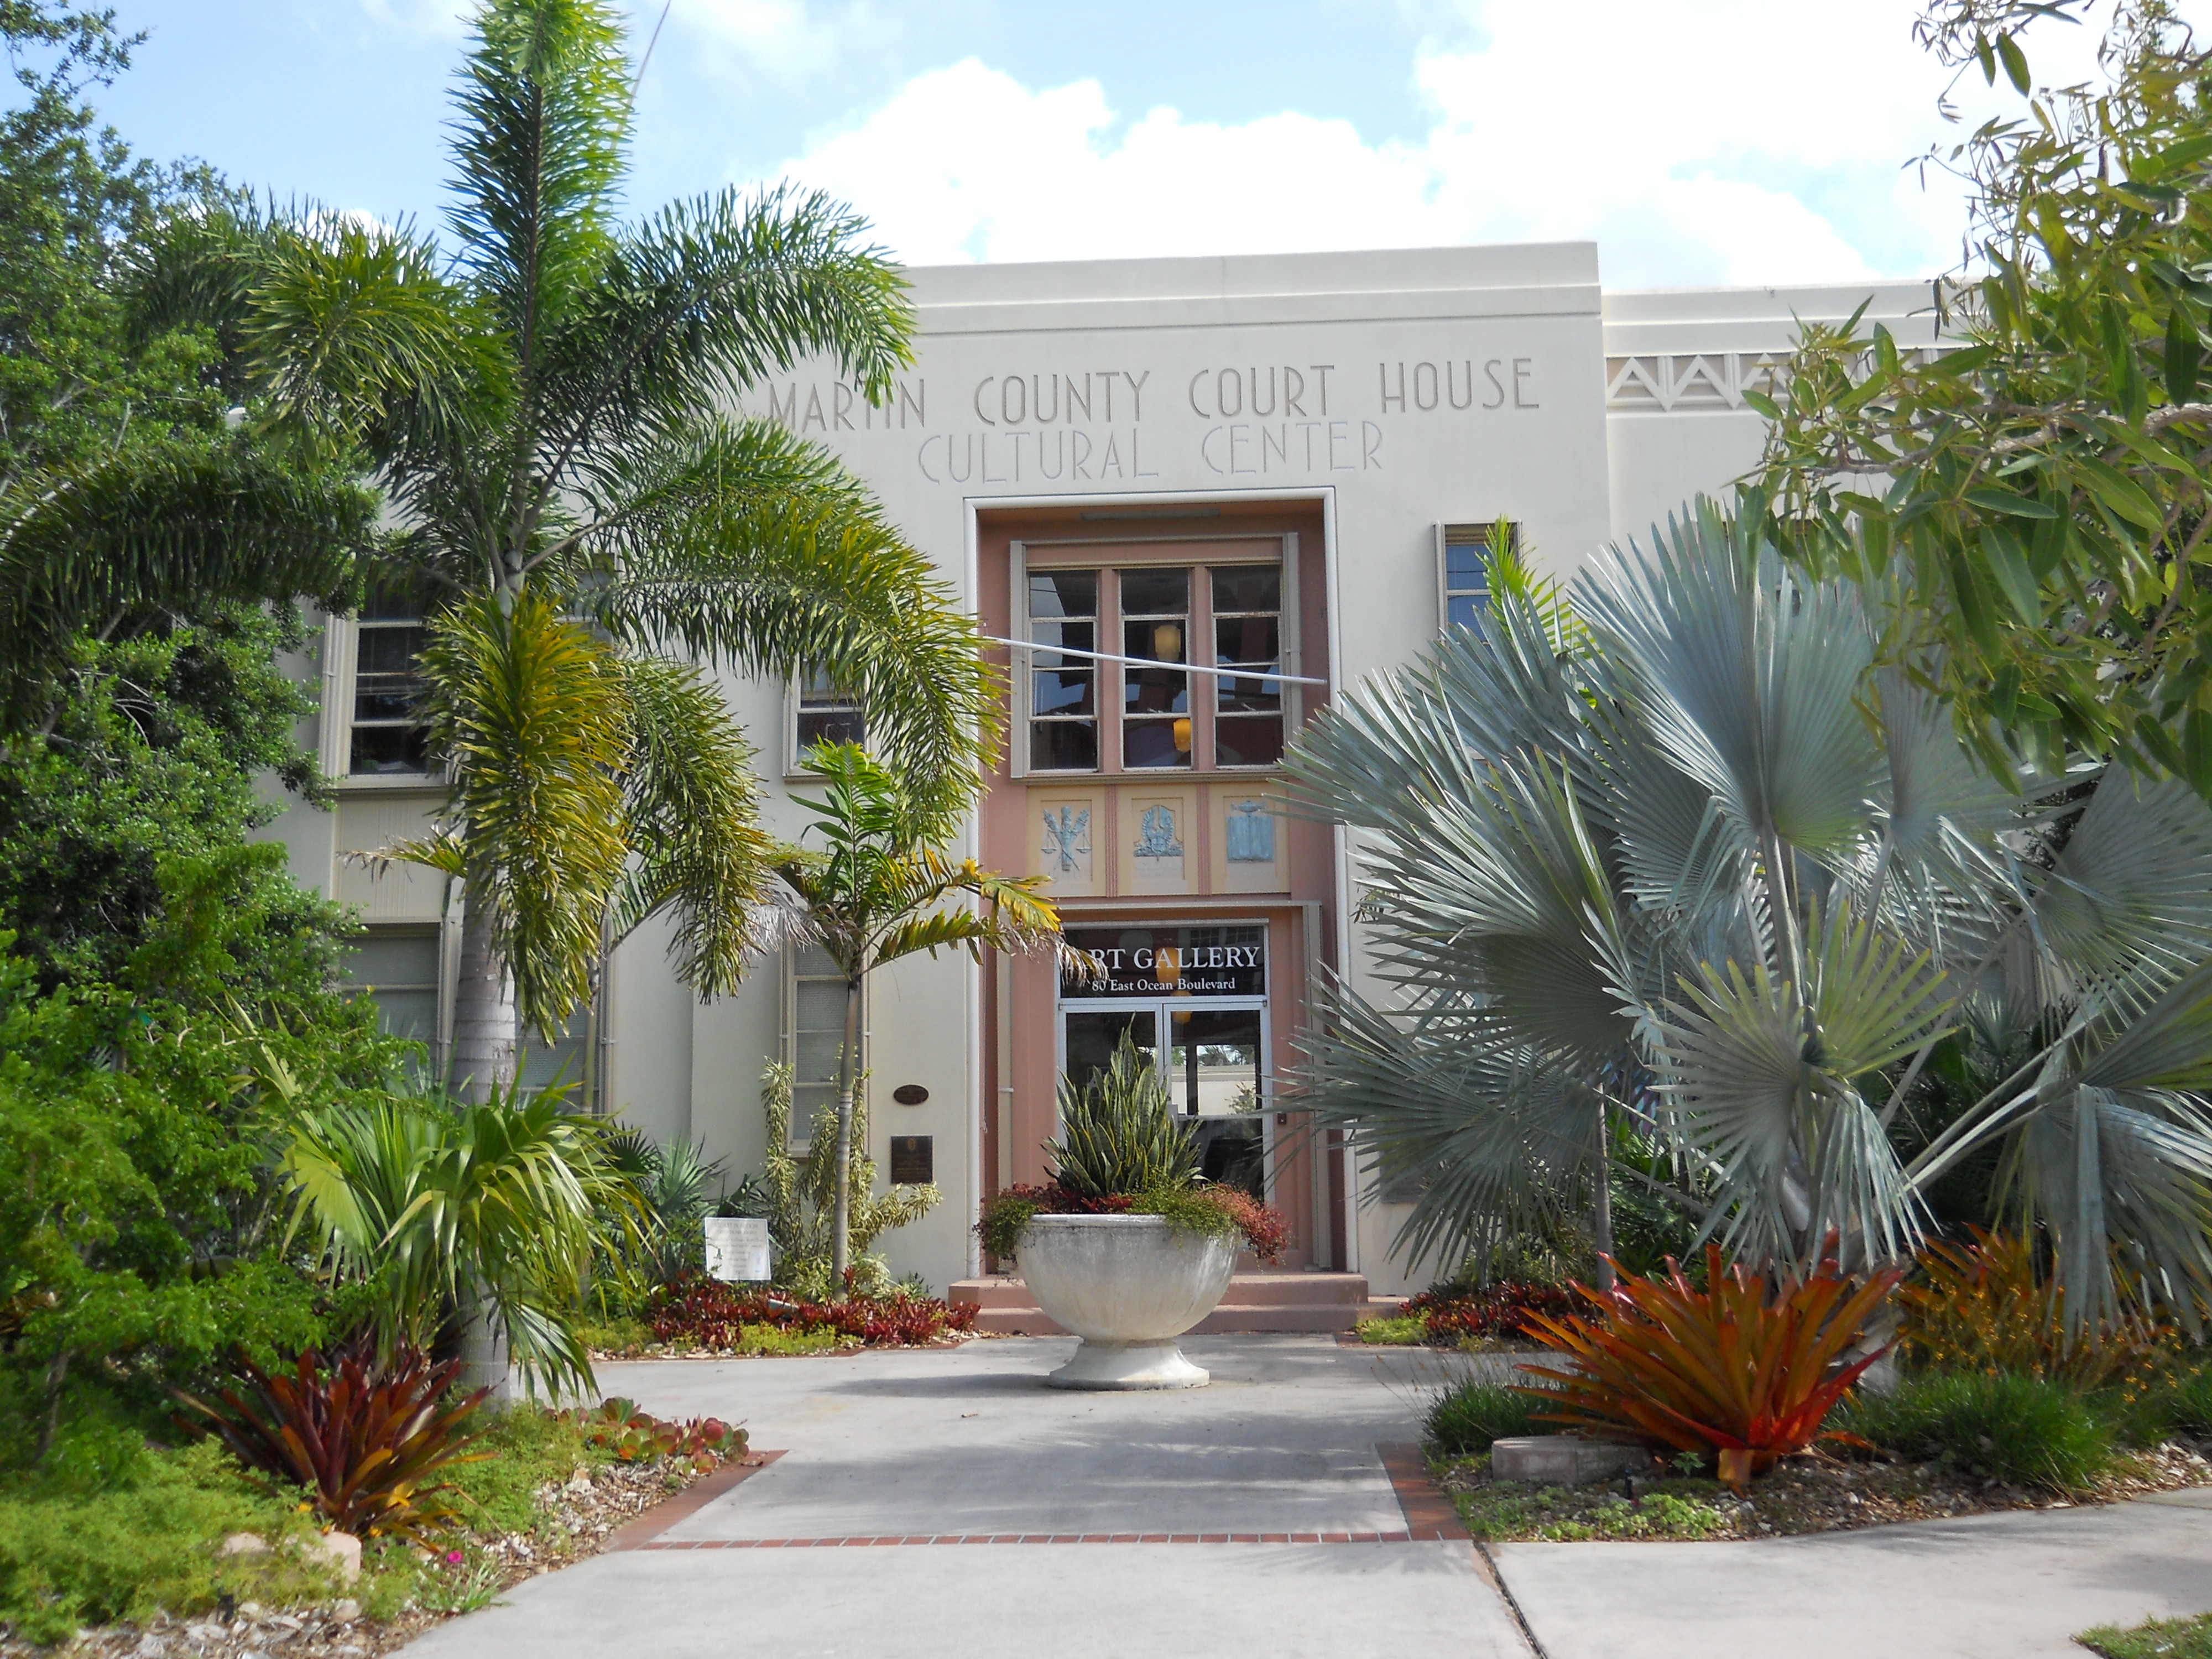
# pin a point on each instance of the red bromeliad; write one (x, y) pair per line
(361, 1437)
(1733, 1371)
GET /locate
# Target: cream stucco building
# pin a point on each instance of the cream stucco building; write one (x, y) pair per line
(1286, 468)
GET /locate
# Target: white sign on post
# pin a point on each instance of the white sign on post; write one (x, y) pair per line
(737, 1248)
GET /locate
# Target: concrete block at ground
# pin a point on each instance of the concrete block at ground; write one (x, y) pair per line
(1563, 1460)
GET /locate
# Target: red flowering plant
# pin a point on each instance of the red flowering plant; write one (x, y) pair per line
(707, 1313)
(1123, 1151)
(1742, 1372)
(1453, 1313)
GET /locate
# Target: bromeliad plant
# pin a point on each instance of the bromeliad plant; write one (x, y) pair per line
(1983, 1305)
(1123, 1152)
(1737, 1371)
(363, 1437)
(634, 1434)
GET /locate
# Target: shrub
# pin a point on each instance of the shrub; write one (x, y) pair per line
(712, 1315)
(1465, 1418)
(361, 1436)
(1213, 1209)
(2019, 1429)
(1731, 1371)
(1118, 1133)
(1981, 1305)
(1456, 1313)
(798, 1194)
(2187, 1399)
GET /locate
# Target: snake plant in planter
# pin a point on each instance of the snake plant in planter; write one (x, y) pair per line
(1126, 1246)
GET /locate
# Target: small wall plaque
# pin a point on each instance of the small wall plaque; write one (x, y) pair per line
(909, 1094)
(914, 1160)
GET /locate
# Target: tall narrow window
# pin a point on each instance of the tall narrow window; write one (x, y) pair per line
(1248, 625)
(1464, 580)
(816, 1038)
(1155, 697)
(388, 732)
(397, 969)
(826, 713)
(1063, 689)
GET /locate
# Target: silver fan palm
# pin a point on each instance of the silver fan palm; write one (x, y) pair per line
(1671, 858)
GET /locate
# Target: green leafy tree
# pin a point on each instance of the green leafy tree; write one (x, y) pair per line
(127, 493)
(140, 1237)
(877, 889)
(2038, 496)
(544, 404)
(1684, 865)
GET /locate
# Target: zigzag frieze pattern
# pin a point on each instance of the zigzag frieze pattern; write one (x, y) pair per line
(1670, 383)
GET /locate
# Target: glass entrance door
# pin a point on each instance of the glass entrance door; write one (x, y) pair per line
(1213, 1070)
(1212, 1062)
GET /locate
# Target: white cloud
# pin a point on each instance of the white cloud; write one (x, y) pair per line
(445, 19)
(1701, 140)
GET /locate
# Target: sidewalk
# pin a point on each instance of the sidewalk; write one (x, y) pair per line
(929, 1504)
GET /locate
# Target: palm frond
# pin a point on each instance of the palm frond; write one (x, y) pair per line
(777, 585)
(692, 815)
(1746, 678)
(545, 116)
(532, 711)
(171, 528)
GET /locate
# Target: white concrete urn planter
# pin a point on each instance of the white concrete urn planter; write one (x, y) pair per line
(1128, 1285)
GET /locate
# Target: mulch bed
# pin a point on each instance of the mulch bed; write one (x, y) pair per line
(578, 1518)
(1808, 1494)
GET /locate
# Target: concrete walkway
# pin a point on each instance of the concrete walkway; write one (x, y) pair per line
(958, 1455)
(2016, 1585)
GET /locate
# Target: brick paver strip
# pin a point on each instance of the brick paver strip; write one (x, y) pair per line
(636, 1532)
(1429, 1514)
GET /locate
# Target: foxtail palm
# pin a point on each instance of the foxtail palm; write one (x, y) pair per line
(546, 405)
(877, 890)
(1676, 859)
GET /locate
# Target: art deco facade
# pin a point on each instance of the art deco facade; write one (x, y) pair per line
(1197, 496)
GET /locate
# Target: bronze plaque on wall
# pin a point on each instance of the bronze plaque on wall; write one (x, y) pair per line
(914, 1160)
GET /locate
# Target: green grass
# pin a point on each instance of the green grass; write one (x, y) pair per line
(1409, 1332)
(1562, 1514)
(2160, 1638)
(1467, 1416)
(2015, 1428)
(72, 1557)
(615, 1335)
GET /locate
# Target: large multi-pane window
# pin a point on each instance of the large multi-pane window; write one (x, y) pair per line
(1156, 723)
(1063, 688)
(388, 733)
(1164, 618)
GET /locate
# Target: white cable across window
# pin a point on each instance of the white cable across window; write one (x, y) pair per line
(1243, 673)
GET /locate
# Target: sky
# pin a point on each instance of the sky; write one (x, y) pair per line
(1697, 141)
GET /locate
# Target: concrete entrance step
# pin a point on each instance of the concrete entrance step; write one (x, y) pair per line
(1256, 1301)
